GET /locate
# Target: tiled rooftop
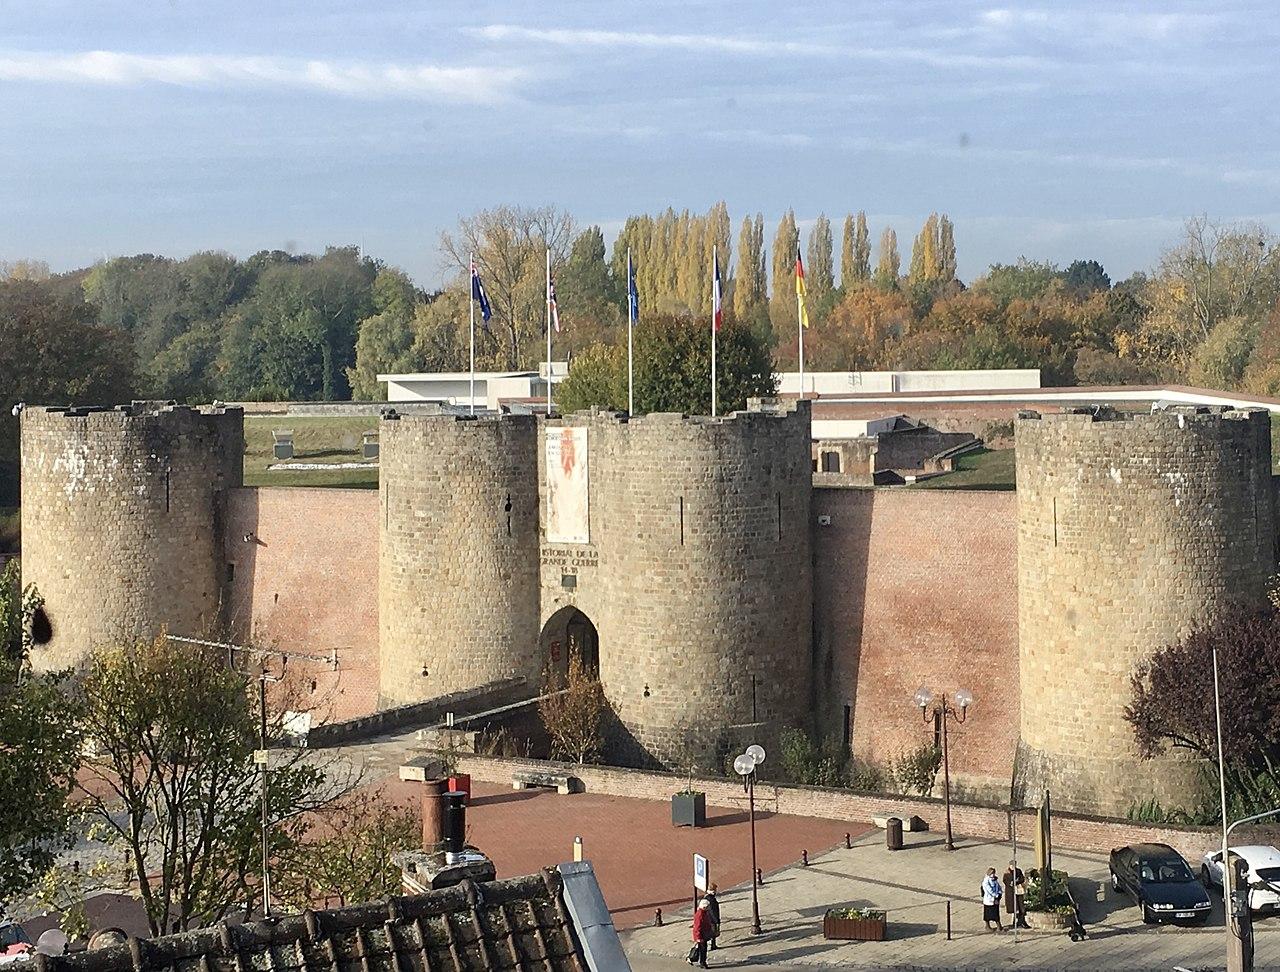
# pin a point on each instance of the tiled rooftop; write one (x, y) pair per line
(521, 923)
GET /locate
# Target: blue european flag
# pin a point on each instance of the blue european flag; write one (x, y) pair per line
(633, 295)
(478, 294)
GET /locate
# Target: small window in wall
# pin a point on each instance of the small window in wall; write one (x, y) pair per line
(815, 464)
(831, 462)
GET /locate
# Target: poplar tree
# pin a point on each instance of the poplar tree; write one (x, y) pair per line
(820, 272)
(861, 248)
(716, 230)
(688, 259)
(888, 263)
(924, 253)
(751, 282)
(782, 301)
(846, 253)
(946, 249)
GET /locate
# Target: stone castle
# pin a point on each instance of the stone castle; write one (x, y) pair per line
(721, 594)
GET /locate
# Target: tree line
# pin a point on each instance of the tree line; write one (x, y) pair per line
(279, 325)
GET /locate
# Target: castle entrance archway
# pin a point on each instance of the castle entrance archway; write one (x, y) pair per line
(569, 632)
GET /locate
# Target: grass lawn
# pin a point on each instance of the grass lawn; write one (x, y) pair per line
(980, 469)
(319, 439)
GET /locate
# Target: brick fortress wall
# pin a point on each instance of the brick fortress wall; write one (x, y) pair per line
(306, 580)
(121, 520)
(911, 588)
(1130, 531)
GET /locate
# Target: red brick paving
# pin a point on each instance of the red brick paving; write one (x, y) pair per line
(642, 862)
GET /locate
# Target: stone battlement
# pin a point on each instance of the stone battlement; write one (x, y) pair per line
(116, 416)
(1175, 415)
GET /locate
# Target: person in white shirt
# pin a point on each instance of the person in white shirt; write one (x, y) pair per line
(991, 893)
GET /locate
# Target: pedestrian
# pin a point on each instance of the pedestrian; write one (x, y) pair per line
(991, 892)
(1015, 889)
(713, 909)
(701, 934)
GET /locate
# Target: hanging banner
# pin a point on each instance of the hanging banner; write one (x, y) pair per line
(567, 520)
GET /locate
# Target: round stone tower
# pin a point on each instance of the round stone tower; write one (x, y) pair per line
(698, 577)
(458, 554)
(1131, 530)
(121, 520)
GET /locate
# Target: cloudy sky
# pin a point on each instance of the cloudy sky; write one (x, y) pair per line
(1069, 129)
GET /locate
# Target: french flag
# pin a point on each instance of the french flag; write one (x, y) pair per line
(551, 303)
(717, 312)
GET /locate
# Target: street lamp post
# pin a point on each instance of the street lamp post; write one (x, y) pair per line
(941, 709)
(745, 766)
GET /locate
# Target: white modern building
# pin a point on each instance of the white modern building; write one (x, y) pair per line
(829, 383)
(493, 389)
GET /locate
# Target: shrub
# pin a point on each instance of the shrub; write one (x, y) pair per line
(1050, 895)
(813, 764)
(916, 770)
(573, 712)
(865, 777)
(866, 914)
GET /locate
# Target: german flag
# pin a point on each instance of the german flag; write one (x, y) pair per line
(801, 309)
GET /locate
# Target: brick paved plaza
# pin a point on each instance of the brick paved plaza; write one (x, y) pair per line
(642, 862)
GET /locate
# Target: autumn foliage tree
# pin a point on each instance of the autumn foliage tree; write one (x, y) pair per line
(171, 788)
(573, 709)
(1172, 702)
(349, 856)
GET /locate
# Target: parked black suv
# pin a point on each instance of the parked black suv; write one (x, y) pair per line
(1158, 878)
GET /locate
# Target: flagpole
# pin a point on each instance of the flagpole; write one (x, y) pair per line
(631, 323)
(714, 256)
(800, 331)
(548, 332)
(471, 304)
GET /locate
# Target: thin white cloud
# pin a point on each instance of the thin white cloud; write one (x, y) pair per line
(715, 43)
(1113, 26)
(641, 39)
(361, 79)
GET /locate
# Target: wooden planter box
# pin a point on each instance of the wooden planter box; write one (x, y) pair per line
(688, 809)
(853, 929)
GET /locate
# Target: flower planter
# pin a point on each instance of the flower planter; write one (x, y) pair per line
(1048, 920)
(461, 783)
(688, 809)
(854, 929)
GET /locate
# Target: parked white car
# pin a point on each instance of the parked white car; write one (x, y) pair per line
(1264, 875)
